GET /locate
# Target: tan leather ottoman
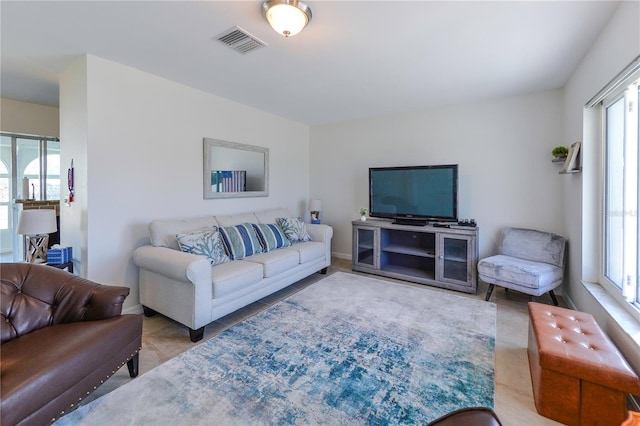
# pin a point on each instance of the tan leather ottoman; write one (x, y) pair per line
(579, 377)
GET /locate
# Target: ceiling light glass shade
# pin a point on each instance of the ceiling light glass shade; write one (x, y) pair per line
(286, 17)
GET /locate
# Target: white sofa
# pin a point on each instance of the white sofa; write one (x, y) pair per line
(186, 288)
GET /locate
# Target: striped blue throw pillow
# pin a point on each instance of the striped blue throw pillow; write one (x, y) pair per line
(240, 240)
(271, 236)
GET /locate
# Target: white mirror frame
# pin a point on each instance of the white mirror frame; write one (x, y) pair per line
(209, 144)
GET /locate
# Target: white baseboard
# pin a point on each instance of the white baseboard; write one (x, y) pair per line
(137, 309)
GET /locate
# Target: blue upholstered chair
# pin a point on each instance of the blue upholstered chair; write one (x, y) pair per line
(528, 261)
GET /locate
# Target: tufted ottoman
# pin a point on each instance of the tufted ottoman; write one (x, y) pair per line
(579, 377)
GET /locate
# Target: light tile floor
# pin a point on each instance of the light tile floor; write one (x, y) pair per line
(163, 339)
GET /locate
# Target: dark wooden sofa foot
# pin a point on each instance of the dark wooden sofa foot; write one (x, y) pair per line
(196, 335)
(323, 271)
(132, 365)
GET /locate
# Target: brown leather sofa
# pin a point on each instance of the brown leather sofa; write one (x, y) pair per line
(62, 336)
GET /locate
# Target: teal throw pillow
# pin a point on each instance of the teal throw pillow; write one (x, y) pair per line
(271, 236)
(205, 242)
(240, 240)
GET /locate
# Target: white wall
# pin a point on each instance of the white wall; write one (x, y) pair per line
(503, 147)
(28, 118)
(144, 160)
(74, 146)
(615, 48)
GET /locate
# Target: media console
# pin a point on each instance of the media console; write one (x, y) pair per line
(436, 256)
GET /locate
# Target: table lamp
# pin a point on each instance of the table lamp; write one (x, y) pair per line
(36, 225)
(314, 207)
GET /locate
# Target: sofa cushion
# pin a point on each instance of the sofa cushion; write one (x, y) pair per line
(205, 242)
(294, 228)
(271, 236)
(276, 262)
(236, 219)
(163, 232)
(233, 276)
(533, 275)
(270, 216)
(241, 241)
(307, 251)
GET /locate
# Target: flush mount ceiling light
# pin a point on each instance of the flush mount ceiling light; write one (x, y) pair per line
(286, 17)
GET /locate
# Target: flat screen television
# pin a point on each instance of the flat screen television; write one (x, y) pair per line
(414, 195)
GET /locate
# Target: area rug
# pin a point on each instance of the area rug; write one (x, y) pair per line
(347, 350)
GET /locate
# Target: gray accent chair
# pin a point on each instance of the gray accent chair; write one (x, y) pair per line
(528, 261)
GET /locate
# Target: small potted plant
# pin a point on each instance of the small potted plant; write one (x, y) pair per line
(560, 152)
(363, 213)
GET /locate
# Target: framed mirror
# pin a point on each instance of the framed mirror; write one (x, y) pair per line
(234, 170)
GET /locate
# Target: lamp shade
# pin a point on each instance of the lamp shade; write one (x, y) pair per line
(37, 222)
(286, 17)
(315, 205)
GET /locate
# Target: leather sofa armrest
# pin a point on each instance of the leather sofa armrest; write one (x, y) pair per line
(106, 302)
(80, 299)
(173, 264)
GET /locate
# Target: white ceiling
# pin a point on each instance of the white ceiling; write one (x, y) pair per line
(356, 59)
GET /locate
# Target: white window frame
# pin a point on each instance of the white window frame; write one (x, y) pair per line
(605, 97)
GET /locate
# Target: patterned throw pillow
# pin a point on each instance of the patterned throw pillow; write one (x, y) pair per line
(294, 229)
(240, 240)
(271, 236)
(205, 242)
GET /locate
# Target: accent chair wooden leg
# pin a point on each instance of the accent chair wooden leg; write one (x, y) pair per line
(132, 365)
(553, 297)
(196, 335)
(323, 271)
(532, 298)
(489, 291)
(148, 312)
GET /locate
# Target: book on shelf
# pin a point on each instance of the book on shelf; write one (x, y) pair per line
(572, 162)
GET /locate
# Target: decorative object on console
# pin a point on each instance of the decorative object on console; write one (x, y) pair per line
(315, 206)
(36, 225)
(286, 17)
(363, 214)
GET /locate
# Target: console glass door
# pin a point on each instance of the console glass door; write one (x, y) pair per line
(365, 246)
(454, 257)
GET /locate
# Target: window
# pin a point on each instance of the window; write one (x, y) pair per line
(620, 195)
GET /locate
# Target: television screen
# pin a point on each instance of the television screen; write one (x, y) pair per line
(425, 193)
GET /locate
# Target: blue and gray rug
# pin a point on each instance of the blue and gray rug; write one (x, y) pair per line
(348, 350)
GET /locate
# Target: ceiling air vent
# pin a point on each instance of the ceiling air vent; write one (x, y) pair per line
(240, 40)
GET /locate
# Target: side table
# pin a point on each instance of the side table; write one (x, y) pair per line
(68, 266)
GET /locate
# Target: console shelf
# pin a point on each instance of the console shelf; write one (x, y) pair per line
(436, 256)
